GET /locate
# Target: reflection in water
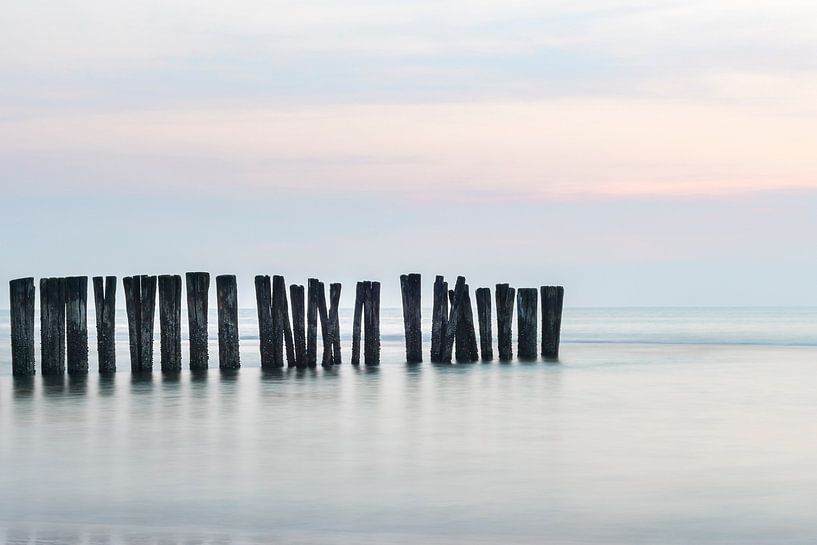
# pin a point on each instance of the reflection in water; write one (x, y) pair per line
(107, 385)
(77, 385)
(23, 387)
(53, 385)
(616, 445)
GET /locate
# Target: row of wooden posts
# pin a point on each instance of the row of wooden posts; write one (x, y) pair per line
(64, 334)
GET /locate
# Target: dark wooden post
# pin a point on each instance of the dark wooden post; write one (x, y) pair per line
(505, 297)
(105, 304)
(454, 318)
(52, 325)
(326, 330)
(439, 319)
(552, 302)
(22, 299)
(76, 324)
(483, 296)
(280, 314)
(133, 305)
(361, 292)
(263, 303)
(465, 338)
(460, 344)
(227, 298)
(526, 322)
(312, 322)
(198, 289)
(410, 285)
(148, 316)
(296, 294)
(468, 332)
(277, 330)
(170, 322)
(140, 301)
(334, 322)
(371, 348)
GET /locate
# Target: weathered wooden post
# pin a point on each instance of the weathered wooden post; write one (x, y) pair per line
(227, 297)
(552, 302)
(465, 338)
(361, 292)
(105, 305)
(459, 334)
(263, 303)
(470, 352)
(170, 322)
(52, 326)
(198, 288)
(439, 319)
(277, 329)
(326, 330)
(454, 317)
(76, 324)
(483, 296)
(140, 302)
(410, 285)
(334, 322)
(371, 348)
(280, 318)
(148, 317)
(296, 294)
(526, 322)
(22, 299)
(312, 322)
(505, 297)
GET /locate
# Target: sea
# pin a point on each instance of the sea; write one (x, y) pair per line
(659, 426)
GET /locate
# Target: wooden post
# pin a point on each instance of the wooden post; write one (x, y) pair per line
(296, 294)
(526, 323)
(454, 318)
(312, 322)
(198, 288)
(334, 322)
(371, 348)
(227, 297)
(410, 285)
(76, 324)
(263, 303)
(22, 299)
(504, 319)
(439, 319)
(280, 314)
(469, 335)
(483, 296)
(326, 329)
(140, 301)
(105, 304)
(52, 325)
(277, 331)
(133, 304)
(552, 302)
(361, 292)
(148, 316)
(460, 345)
(465, 338)
(170, 322)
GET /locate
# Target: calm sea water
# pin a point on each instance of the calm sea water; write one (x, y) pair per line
(658, 426)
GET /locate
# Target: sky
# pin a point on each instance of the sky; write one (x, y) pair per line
(636, 152)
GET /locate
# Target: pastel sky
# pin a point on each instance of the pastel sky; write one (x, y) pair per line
(638, 152)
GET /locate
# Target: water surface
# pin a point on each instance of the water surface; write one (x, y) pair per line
(658, 426)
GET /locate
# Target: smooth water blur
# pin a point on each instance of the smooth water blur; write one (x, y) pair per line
(705, 439)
